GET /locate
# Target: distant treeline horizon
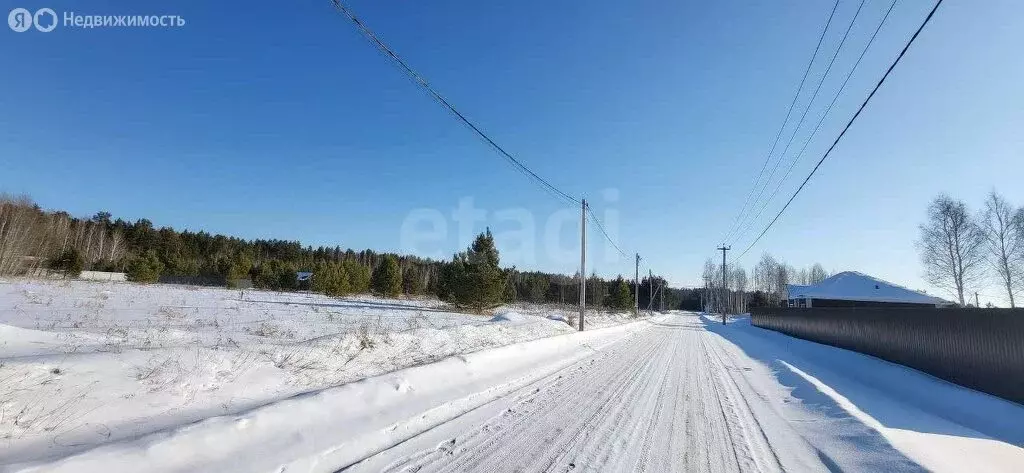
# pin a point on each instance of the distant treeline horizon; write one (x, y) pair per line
(32, 238)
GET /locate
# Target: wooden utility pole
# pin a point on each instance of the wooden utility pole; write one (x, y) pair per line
(583, 261)
(636, 287)
(723, 249)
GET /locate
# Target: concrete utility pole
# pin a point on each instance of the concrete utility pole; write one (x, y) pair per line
(583, 261)
(636, 287)
(650, 288)
(723, 249)
(977, 303)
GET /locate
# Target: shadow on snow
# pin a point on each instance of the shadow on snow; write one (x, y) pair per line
(896, 396)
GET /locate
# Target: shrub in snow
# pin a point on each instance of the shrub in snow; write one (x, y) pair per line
(69, 261)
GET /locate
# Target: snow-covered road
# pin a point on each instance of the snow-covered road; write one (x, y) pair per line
(669, 393)
(664, 400)
(678, 396)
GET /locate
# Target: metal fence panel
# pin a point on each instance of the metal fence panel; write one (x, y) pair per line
(981, 349)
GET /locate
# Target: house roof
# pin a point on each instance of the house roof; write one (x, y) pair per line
(854, 286)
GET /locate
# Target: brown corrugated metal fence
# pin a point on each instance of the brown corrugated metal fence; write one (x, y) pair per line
(982, 349)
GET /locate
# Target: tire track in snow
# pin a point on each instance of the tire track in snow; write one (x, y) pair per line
(754, 439)
(662, 400)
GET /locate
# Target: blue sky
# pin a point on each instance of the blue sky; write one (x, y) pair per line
(286, 123)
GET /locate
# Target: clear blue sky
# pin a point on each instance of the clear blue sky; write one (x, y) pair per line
(284, 122)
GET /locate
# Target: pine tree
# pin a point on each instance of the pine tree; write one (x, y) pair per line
(474, 278)
(358, 276)
(330, 278)
(145, 268)
(413, 282)
(621, 297)
(387, 277)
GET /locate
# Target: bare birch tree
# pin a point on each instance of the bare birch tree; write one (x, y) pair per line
(709, 285)
(739, 277)
(783, 274)
(952, 246)
(1004, 242)
(818, 274)
(18, 233)
(766, 274)
(31, 238)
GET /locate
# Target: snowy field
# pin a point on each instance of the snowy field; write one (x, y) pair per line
(313, 384)
(87, 363)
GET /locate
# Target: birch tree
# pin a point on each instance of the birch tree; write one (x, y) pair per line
(710, 270)
(1003, 228)
(818, 274)
(952, 247)
(739, 277)
(766, 274)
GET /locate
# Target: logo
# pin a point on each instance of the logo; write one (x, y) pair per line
(20, 20)
(40, 19)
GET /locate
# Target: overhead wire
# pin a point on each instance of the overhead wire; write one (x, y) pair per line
(422, 82)
(796, 129)
(821, 120)
(789, 112)
(764, 203)
(828, 152)
(600, 227)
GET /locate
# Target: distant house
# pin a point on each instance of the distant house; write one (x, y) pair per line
(303, 279)
(853, 289)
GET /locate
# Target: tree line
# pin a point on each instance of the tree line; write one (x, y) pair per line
(766, 286)
(33, 239)
(961, 249)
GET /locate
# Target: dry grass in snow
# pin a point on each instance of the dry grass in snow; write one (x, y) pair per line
(84, 363)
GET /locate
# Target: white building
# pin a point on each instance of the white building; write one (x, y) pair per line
(853, 289)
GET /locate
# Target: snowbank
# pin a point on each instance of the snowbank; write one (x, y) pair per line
(84, 363)
(939, 425)
(333, 428)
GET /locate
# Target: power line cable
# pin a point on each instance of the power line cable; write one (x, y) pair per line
(422, 82)
(419, 80)
(821, 120)
(764, 204)
(789, 112)
(600, 226)
(796, 129)
(847, 127)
